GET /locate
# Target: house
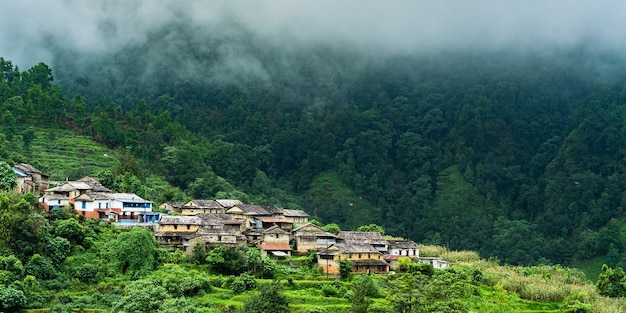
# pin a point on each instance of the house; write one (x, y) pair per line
(212, 238)
(202, 207)
(275, 241)
(186, 231)
(129, 207)
(437, 263)
(30, 179)
(309, 237)
(375, 239)
(172, 206)
(267, 222)
(248, 213)
(69, 190)
(364, 258)
(403, 247)
(298, 217)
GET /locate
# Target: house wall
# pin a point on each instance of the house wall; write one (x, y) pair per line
(273, 238)
(328, 266)
(405, 252)
(195, 211)
(171, 228)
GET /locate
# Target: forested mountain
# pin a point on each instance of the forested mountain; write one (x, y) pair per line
(518, 155)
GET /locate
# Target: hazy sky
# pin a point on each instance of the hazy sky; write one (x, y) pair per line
(28, 27)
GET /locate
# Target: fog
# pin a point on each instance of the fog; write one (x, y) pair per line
(31, 27)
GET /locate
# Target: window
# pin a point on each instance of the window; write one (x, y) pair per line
(175, 226)
(99, 205)
(359, 255)
(106, 205)
(83, 205)
(188, 227)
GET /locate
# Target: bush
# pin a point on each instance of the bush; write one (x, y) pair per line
(242, 283)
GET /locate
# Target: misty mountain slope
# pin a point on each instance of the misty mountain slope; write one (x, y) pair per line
(512, 122)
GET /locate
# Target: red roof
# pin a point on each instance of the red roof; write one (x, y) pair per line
(271, 246)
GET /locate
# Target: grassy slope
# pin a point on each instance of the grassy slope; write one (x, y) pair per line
(327, 190)
(61, 153)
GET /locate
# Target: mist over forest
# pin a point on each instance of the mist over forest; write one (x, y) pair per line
(482, 125)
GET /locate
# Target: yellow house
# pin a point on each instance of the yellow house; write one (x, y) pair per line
(312, 237)
(364, 258)
(298, 217)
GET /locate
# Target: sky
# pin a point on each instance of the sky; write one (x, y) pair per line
(28, 28)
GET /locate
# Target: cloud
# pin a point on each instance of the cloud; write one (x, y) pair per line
(31, 27)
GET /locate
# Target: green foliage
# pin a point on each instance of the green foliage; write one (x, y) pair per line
(141, 296)
(270, 299)
(332, 228)
(7, 177)
(345, 267)
(242, 283)
(372, 228)
(611, 282)
(227, 260)
(11, 299)
(135, 251)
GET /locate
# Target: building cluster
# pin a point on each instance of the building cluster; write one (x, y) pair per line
(90, 199)
(276, 232)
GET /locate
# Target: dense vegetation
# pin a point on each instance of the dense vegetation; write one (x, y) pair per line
(62, 262)
(517, 156)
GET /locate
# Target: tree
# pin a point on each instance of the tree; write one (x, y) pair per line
(7, 177)
(227, 260)
(270, 299)
(11, 299)
(141, 296)
(372, 228)
(611, 282)
(135, 252)
(363, 288)
(332, 228)
(345, 267)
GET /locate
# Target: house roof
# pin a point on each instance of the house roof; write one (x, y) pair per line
(356, 248)
(19, 173)
(274, 229)
(403, 244)
(368, 262)
(29, 169)
(214, 219)
(274, 220)
(253, 209)
(54, 196)
(272, 209)
(117, 196)
(174, 204)
(203, 204)
(343, 247)
(79, 185)
(228, 203)
(300, 231)
(363, 237)
(180, 220)
(232, 222)
(294, 213)
(272, 246)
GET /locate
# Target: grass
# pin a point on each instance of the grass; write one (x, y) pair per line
(332, 200)
(64, 154)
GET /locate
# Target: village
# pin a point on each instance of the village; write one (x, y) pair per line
(276, 232)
